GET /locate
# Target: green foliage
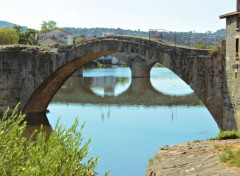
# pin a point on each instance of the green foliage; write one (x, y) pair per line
(48, 26)
(200, 46)
(27, 37)
(61, 153)
(214, 51)
(74, 38)
(82, 36)
(150, 161)
(8, 36)
(231, 157)
(93, 64)
(222, 135)
(158, 65)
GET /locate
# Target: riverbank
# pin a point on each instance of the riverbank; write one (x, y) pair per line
(192, 158)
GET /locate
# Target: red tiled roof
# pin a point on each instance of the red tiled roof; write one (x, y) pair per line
(229, 14)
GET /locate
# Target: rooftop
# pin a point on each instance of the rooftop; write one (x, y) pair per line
(229, 14)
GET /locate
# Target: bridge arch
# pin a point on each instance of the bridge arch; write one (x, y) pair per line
(54, 67)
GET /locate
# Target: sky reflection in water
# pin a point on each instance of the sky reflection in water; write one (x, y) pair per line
(126, 136)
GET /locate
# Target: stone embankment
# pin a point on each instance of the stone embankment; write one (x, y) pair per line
(191, 158)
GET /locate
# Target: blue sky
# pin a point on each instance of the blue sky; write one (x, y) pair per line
(174, 15)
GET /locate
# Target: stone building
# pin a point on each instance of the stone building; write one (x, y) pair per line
(60, 36)
(231, 91)
(232, 33)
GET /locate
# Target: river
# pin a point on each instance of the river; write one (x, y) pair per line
(130, 119)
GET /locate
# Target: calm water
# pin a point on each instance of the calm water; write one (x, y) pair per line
(130, 119)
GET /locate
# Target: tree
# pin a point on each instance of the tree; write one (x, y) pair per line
(48, 26)
(29, 36)
(19, 30)
(82, 35)
(8, 36)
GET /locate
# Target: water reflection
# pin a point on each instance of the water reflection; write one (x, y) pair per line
(34, 122)
(130, 119)
(139, 92)
(170, 83)
(107, 85)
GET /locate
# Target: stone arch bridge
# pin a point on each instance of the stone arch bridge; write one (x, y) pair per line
(32, 75)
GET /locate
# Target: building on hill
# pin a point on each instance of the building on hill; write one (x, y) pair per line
(51, 42)
(54, 37)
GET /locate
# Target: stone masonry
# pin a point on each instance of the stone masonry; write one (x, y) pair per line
(32, 75)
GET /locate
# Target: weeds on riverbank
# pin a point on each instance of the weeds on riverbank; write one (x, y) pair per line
(230, 155)
(222, 135)
(61, 154)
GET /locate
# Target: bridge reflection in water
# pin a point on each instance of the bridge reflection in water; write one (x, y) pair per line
(128, 118)
(91, 90)
(112, 90)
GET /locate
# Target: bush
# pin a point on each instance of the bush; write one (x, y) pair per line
(8, 36)
(61, 153)
(213, 51)
(200, 46)
(222, 135)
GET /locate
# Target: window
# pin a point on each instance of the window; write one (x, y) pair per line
(237, 46)
(238, 22)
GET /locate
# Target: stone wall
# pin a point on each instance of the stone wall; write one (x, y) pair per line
(231, 91)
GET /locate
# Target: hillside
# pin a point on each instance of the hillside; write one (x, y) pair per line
(5, 24)
(180, 38)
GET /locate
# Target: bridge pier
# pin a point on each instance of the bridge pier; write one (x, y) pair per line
(140, 69)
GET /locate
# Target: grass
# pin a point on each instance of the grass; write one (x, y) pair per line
(223, 135)
(61, 153)
(230, 155)
(214, 51)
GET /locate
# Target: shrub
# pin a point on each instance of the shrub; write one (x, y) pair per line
(200, 46)
(214, 51)
(8, 36)
(61, 154)
(222, 135)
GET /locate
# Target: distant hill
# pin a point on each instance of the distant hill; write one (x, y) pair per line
(5, 24)
(88, 32)
(221, 32)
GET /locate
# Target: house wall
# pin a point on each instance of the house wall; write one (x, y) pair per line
(50, 42)
(59, 35)
(231, 88)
